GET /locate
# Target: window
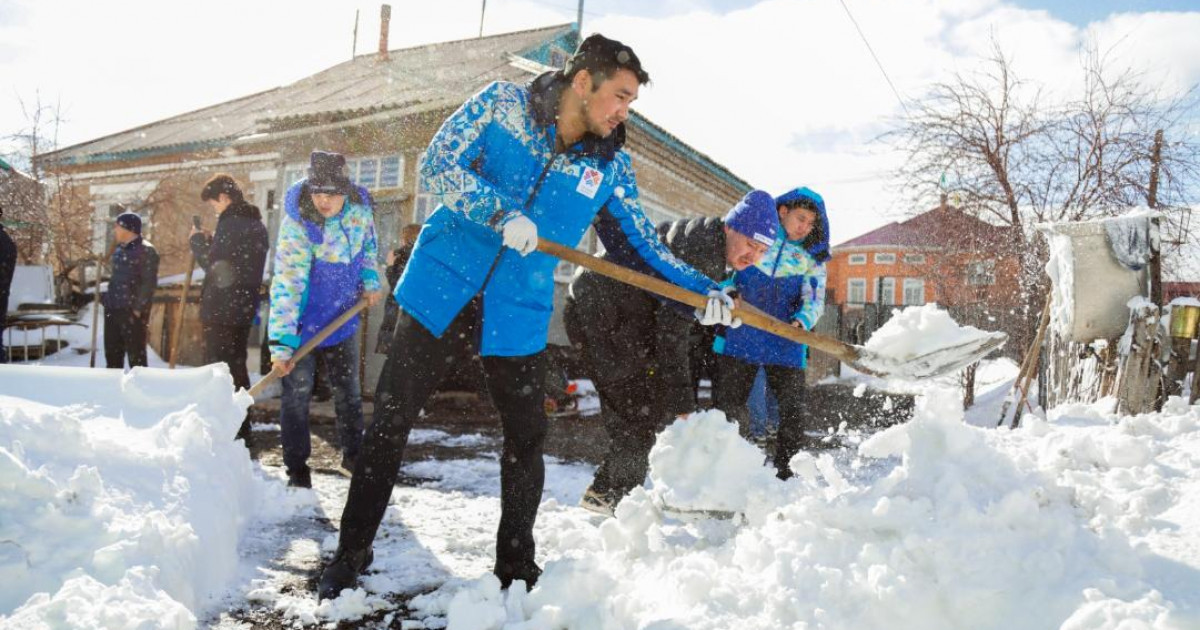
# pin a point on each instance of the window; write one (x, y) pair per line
(856, 292)
(368, 170)
(293, 174)
(914, 259)
(858, 259)
(558, 57)
(885, 259)
(886, 293)
(423, 203)
(389, 172)
(981, 272)
(914, 291)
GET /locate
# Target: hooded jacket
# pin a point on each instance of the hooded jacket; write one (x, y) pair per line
(495, 159)
(322, 266)
(788, 283)
(232, 259)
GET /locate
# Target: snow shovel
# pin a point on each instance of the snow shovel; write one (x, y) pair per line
(310, 345)
(933, 363)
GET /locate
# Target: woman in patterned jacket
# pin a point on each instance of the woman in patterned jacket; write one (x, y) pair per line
(324, 262)
(789, 284)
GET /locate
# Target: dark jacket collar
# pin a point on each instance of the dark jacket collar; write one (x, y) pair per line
(544, 93)
(241, 209)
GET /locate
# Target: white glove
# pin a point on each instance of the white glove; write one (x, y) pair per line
(719, 310)
(520, 233)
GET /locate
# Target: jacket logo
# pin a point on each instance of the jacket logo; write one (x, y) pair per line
(589, 182)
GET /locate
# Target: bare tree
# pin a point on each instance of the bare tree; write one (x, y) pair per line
(1013, 158)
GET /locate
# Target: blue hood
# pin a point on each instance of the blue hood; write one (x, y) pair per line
(817, 243)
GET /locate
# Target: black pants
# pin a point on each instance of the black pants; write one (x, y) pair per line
(124, 335)
(616, 340)
(227, 344)
(731, 391)
(416, 363)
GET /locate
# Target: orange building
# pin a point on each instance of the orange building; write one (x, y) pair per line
(943, 255)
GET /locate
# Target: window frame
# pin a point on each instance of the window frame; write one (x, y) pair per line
(856, 259)
(885, 258)
(859, 284)
(913, 284)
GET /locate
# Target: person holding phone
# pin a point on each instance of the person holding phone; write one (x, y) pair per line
(232, 258)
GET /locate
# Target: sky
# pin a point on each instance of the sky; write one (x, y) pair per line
(782, 92)
(128, 506)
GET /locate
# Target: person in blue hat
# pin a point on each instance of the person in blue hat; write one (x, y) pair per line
(789, 284)
(131, 284)
(637, 346)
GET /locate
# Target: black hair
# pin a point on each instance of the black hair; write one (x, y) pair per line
(602, 58)
(221, 183)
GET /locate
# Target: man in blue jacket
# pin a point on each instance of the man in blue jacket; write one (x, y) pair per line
(131, 285)
(513, 164)
(232, 258)
(789, 284)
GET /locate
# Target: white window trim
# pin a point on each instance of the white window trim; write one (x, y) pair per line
(882, 258)
(913, 284)
(914, 259)
(857, 259)
(985, 276)
(889, 294)
(851, 284)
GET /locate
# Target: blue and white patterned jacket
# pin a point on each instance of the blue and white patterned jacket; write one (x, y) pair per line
(493, 158)
(321, 270)
(788, 283)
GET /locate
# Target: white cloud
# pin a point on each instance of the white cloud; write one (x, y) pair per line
(783, 92)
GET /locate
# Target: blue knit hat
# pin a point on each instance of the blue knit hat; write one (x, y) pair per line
(755, 216)
(130, 221)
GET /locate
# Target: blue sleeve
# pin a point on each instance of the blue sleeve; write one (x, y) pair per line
(446, 170)
(636, 235)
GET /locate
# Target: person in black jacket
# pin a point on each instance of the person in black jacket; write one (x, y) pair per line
(637, 346)
(131, 285)
(232, 258)
(8, 264)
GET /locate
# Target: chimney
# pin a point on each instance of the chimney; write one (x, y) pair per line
(385, 17)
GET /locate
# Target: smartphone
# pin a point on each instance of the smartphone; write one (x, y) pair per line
(196, 221)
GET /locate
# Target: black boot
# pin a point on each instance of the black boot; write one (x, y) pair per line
(508, 572)
(342, 572)
(300, 478)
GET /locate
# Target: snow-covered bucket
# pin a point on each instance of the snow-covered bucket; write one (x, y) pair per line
(1096, 268)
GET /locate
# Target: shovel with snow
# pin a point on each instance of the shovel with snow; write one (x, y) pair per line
(933, 362)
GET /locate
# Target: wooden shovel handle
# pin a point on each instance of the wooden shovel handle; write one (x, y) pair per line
(311, 344)
(749, 315)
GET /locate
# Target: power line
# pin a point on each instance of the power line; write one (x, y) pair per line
(874, 56)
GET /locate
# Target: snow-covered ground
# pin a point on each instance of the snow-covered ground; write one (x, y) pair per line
(125, 504)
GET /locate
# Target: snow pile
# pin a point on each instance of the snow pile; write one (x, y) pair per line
(123, 495)
(701, 463)
(1061, 524)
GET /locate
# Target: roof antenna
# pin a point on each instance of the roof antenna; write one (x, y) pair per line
(354, 46)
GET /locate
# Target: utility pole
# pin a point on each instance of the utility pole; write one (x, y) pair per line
(354, 46)
(482, 12)
(579, 19)
(1156, 294)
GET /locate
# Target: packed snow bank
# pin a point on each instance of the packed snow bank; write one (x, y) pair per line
(1080, 522)
(123, 495)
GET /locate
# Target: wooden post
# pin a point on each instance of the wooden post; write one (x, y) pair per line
(1139, 377)
(1156, 294)
(176, 336)
(96, 311)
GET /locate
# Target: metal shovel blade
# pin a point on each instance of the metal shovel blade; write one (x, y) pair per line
(934, 363)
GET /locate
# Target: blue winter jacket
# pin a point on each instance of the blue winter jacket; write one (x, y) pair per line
(134, 277)
(493, 160)
(788, 283)
(322, 267)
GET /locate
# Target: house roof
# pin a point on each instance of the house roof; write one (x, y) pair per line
(943, 227)
(409, 80)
